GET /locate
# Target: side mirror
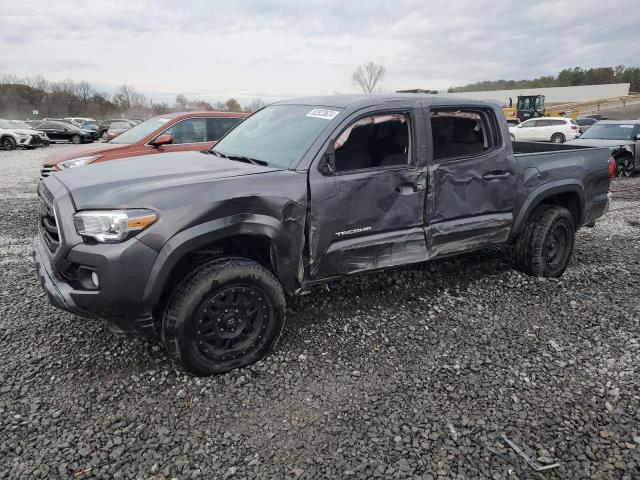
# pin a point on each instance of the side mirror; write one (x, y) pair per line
(328, 165)
(162, 140)
(638, 137)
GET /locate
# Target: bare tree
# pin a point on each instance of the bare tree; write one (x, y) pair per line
(367, 76)
(85, 92)
(124, 96)
(256, 104)
(181, 102)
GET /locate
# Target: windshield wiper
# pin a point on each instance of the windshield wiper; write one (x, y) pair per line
(240, 158)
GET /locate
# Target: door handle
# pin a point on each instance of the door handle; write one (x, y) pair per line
(497, 175)
(407, 188)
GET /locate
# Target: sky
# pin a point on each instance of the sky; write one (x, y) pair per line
(214, 50)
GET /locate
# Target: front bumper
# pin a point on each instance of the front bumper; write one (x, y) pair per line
(31, 141)
(123, 270)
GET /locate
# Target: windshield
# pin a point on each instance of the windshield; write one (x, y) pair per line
(137, 133)
(609, 131)
(6, 124)
(279, 135)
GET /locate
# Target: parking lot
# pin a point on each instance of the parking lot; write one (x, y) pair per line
(401, 374)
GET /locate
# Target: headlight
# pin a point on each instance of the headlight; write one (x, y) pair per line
(113, 226)
(76, 162)
(22, 136)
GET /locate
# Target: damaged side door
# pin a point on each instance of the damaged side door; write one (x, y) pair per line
(367, 195)
(472, 181)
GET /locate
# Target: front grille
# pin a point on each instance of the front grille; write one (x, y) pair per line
(35, 140)
(47, 222)
(47, 170)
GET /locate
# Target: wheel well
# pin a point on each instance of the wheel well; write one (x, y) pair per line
(622, 153)
(568, 200)
(251, 247)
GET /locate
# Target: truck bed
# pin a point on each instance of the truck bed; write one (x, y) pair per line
(526, 148)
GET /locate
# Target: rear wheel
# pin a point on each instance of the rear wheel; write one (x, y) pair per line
(544, 248)
(557, 138)
(8, 143)
(76, 139)
(227, 314)
(625, 166)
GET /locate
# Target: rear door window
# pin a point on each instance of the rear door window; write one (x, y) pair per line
(462, 133)
(219, 126)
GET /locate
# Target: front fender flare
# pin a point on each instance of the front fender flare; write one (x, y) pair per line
(198, 236)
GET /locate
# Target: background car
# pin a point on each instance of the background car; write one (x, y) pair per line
(12, 136)
(172, 132)
(25, 126)
(104, 125)
(86, 124)
(115, 129)
(622, 137)
(60, 131)
(584, 123)
(547, 129)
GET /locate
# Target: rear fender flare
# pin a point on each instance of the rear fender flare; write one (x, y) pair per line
(537, 196)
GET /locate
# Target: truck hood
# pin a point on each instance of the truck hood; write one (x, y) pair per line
(597, 142)
(113, 184)
(60, 155)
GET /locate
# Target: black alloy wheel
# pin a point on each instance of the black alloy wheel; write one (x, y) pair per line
(8, 143)
(227, 314)
(230, 323)
(625, 166)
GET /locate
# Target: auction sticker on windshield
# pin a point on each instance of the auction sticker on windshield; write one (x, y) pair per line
(323, 113)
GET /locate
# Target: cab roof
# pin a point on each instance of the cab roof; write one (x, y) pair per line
(369, 100)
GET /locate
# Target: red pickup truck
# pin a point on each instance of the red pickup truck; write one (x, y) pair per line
(173, 132)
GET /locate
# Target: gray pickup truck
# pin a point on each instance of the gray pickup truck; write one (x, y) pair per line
(202, 248)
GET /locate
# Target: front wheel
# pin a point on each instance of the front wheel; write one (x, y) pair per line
(76, 139)
(8, 143)
(227, 314)
(544, 248)
(625, 166)
(557, 138)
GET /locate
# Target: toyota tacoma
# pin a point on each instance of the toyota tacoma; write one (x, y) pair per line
(201, 249)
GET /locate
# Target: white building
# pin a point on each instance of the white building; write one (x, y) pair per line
(582, 93)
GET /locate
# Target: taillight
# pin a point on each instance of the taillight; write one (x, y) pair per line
(612, 168)
(574, 127)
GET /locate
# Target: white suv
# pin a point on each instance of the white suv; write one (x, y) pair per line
(545, 129)
(12, 136)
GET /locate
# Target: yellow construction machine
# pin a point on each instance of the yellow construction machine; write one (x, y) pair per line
(532, 106)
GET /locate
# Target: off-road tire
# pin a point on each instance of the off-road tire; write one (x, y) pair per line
(76, 139)
(558, 138)
(534, 254)
(8, 143)
(196, 300)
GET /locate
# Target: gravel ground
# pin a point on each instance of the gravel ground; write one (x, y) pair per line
(391, 375)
